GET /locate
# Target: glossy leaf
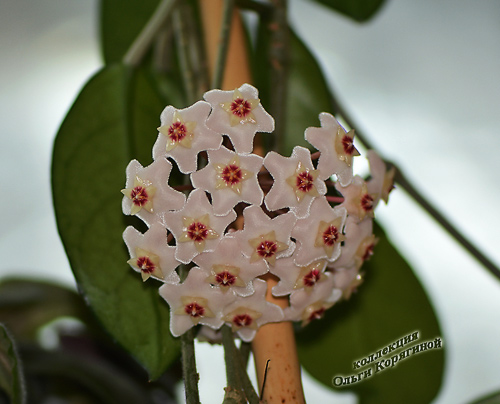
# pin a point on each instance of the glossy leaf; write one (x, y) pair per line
(27, 305)
(390, 305)
(11, 377)
(113, 120)
(120, 22)
(359, 10)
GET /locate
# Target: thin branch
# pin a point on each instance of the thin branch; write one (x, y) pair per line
(182, 36)
(189, 373)
(225, 29)
(143, 42)
(279, 58)
(404, 183)
(417, 196)
(234, 394)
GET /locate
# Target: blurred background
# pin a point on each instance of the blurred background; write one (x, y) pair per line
(421, 79)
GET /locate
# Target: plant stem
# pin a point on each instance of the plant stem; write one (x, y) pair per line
(182, 37)
(189, 373)
(279, 58)
(401, 180)
(225, 29)
(142, 43)
(234, 394)
(404, 183)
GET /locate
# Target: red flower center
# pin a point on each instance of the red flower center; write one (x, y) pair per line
(367, 202)
(311, 278)
(317, 314)
(267, 249)
(225, 278)
(194, 309)
(348, 145)
(242, 320)
(139, 196)
(197, 231)
(177, 131)
(231, 174)
(330, 235)
(240, 107)
(145, 264)
(304, 181)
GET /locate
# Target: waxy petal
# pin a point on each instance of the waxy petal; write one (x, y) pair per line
(258, 224)
(325, 139)
(163, 198)
(226, 192)
(199, 136)
(296, 183)
(189, 224)
(228, 254)
(153, 241)
(244, 122)
(246, 315)
(317, 224)
(194, 290)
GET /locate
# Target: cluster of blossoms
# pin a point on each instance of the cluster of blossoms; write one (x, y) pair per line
(312, 242)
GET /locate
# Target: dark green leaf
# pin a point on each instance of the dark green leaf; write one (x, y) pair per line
(11, 377)
(121, 21)
(113, 120)
(26, 305)
(390, 304)
(359, 10)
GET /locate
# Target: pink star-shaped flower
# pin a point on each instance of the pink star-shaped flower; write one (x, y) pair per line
(194, 302)
(358, 200)
(230, 178)
(358, 244)
(227, 268)
(263, 238)
(239, 115)
(294, 277)
(320, 234)
(309, 306)
(195, 227)
(147, 193)
(246, 315)
(183, 134)
(296, 183)
(382, 180)
(150, 254)
(336, 147)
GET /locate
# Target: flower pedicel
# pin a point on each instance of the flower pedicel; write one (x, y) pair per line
(295, 225)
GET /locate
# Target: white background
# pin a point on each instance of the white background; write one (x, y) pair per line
(422, 80)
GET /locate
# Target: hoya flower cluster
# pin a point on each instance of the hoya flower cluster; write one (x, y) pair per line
(240, 216)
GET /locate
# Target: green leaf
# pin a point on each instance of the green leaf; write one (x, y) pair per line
(359, 10)
(27, 305)
(307, 92)
(113, 120)
(11, 376)
(121, 21)
(390, 305)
